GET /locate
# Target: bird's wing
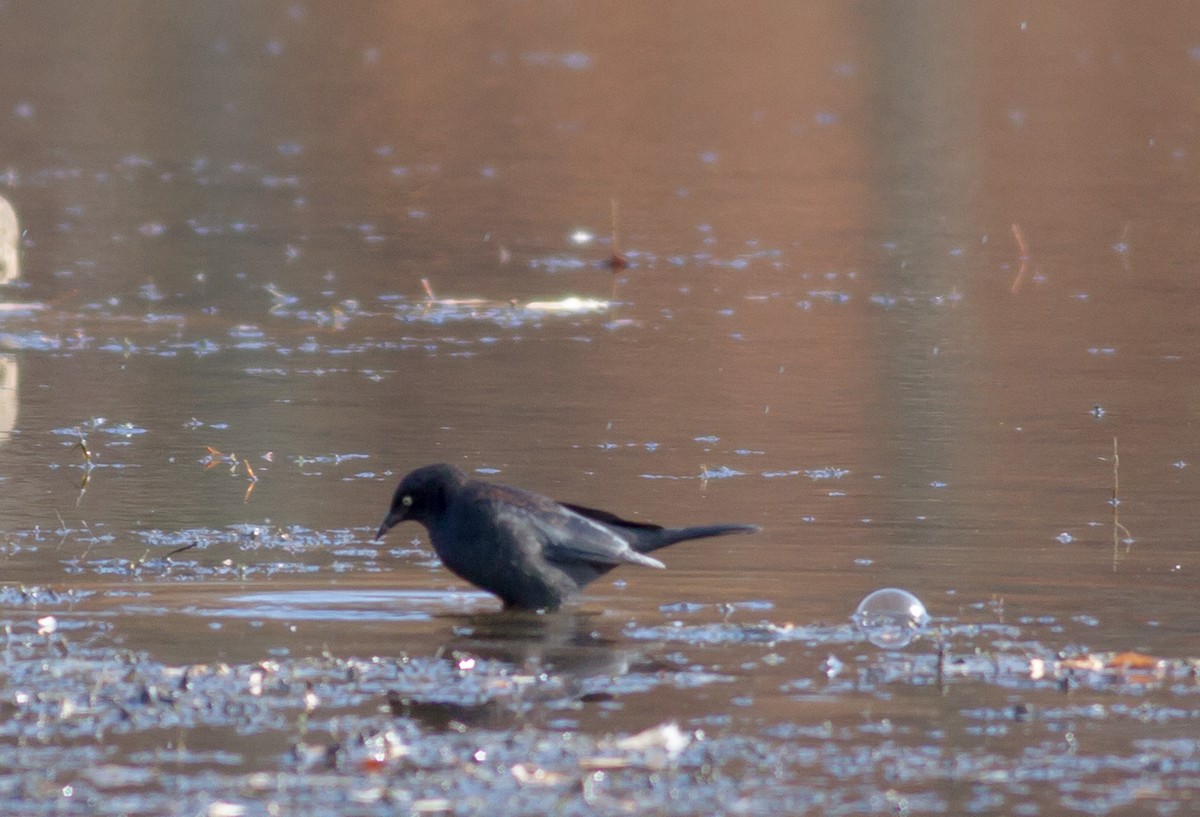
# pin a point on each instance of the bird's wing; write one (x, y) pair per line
(567, 534)
(570, 536)
(609, 518)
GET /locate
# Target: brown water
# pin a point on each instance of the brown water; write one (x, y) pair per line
(900, 276)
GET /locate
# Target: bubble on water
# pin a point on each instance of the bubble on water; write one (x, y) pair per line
(891, 617)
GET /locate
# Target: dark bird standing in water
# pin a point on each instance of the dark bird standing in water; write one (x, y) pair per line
(527, 549)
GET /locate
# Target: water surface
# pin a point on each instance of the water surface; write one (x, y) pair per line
(909, 286)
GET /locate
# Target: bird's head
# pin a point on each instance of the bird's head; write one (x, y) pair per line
(422, 496)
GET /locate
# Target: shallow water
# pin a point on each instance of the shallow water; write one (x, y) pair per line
(909, 286)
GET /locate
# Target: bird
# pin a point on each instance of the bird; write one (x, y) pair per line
(530, 551)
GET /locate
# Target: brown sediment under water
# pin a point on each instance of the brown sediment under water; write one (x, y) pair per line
(911, 287)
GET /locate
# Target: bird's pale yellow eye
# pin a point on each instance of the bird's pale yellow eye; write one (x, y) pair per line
(406, 501)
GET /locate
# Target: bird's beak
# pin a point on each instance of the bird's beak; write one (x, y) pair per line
(393, 518)
(384, 528)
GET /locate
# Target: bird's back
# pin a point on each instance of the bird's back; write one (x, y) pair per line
(489, 536)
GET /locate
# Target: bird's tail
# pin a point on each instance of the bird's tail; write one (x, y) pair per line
(669, 536)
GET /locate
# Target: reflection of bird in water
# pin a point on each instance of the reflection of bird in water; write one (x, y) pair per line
(10, 236)
(566, 643)
(554, 657)
(8, 396)
(527, 549)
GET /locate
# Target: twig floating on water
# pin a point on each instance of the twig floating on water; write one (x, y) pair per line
(1118, 528)
(1023, 248)
(616, 261)
(181, 550)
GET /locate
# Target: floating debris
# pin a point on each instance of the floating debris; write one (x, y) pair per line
(1127, 667)
(215, 457)
(10, 237)
(568, 305)
(654, 748)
